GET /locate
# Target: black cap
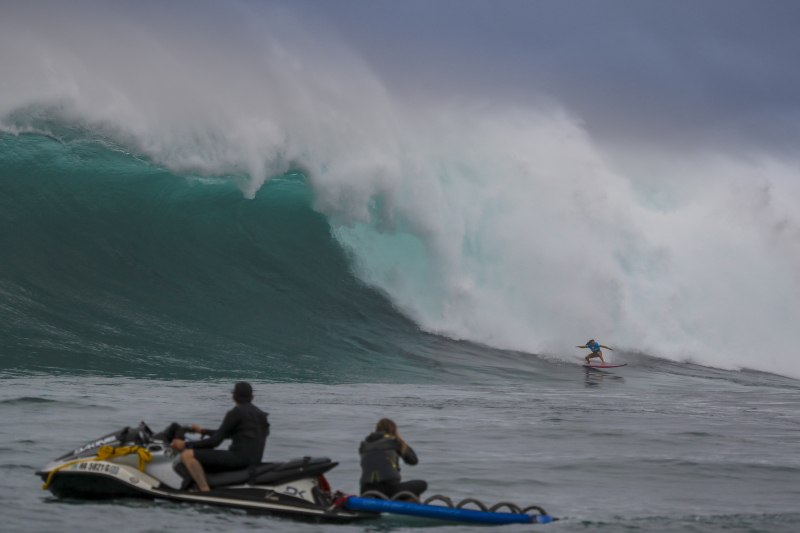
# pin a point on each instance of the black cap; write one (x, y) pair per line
(242, 391)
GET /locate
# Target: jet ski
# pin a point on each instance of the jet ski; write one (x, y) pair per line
(135, 462)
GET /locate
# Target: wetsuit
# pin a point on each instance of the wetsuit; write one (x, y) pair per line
(247, 426)
(380, 466)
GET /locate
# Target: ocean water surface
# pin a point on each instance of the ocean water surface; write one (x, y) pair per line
(133, 294)
(657, 447)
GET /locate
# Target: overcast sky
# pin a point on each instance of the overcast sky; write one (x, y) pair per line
(682, 72)
(723, 70)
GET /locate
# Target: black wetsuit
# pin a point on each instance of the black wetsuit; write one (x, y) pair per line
(380, 466)
(247, 426)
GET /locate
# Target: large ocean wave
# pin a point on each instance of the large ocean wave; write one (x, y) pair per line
(112, 265)
(507, 226)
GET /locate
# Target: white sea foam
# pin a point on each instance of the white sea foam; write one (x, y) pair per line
(504, 225)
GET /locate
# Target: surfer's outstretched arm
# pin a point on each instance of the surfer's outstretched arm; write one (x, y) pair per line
(606, 347)
(581, 346)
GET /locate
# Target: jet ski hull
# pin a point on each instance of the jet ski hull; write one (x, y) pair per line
(108, 485)
(87, 486)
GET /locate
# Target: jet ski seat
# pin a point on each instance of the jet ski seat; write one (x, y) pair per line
(263, 474)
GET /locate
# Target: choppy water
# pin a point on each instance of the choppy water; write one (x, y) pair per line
(650, 447)
(130, 293)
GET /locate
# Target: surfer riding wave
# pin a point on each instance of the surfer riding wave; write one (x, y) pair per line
(596, 352)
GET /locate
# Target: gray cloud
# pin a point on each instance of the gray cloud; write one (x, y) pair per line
(725, 70)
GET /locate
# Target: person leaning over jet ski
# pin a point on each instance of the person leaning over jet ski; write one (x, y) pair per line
(380, 462)
(245, 424)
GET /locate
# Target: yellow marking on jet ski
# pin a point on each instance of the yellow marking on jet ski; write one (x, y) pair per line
(105, 453)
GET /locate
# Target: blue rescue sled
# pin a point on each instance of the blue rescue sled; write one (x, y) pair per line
(443, 513)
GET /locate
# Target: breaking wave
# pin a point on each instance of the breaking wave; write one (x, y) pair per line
(212, 165)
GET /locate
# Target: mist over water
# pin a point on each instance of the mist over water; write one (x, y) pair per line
(505, 225)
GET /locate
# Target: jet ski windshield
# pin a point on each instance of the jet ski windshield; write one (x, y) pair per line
(127, 436)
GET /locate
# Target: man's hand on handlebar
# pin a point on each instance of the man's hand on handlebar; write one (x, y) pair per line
(196, 428)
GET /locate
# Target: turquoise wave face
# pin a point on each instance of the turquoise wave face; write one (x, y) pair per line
(113, 265)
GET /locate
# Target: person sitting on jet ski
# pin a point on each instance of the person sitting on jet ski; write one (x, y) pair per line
(245, 424)
(380, 462)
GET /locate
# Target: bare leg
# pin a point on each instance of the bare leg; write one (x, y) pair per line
(195, 469)
(592, 355)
